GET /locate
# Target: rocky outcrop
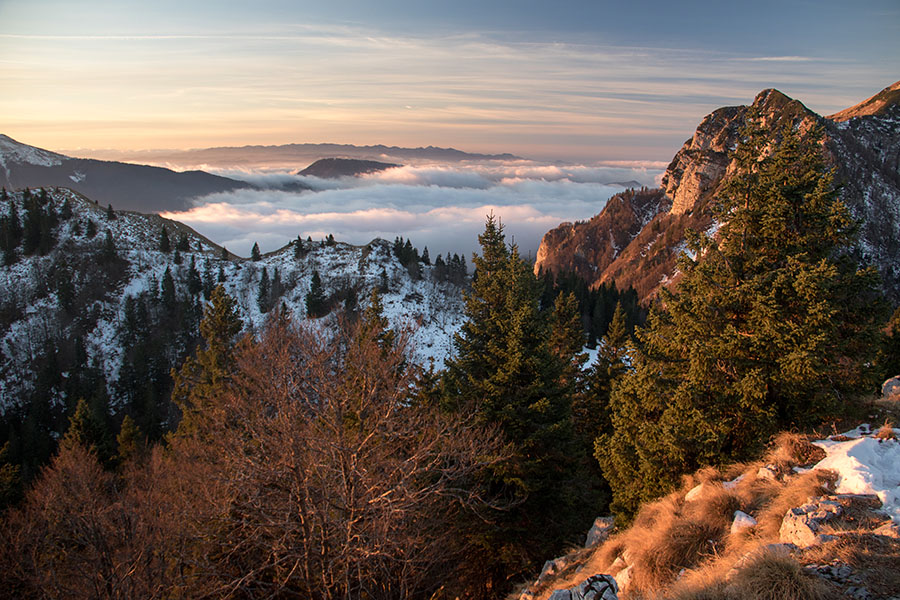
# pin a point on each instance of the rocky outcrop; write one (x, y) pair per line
(863, 143)
(598, 587)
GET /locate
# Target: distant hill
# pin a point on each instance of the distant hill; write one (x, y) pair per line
(125, 186)
(638, 236)
(332, 168)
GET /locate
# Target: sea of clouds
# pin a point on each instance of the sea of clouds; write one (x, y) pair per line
(442, 207)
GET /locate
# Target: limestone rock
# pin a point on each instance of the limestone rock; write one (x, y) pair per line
(599, 531)
(742, 521)
(597, 587)
(623, 578)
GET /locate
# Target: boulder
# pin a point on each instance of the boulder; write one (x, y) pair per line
(597, 587)
(801, 525)
(742, 521)
(599, 531)
(552, 567)
(798, 528)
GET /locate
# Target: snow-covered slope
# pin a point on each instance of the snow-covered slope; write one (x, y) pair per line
(35, 321)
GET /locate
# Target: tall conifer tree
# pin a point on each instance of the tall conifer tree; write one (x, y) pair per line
(771, 326)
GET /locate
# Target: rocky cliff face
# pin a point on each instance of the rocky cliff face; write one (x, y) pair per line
(862, 142)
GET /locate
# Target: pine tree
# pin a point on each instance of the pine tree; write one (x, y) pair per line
(130, 441)
(194, 282)
(110, 213)
(375, 325)
(203, 376)
(254, 252)
(108, 251)
(262, 296)
(770, 327)
(168, 290)
(506, 373)
(164, 244)
(87, 429)
(90, 229)
(316, 305)
(183, 244)
(426, 260)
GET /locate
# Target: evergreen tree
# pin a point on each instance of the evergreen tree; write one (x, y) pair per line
(316, 304)
(87, 429)
(204, 375)
(130, 441)
(183, 244)
(375, 325)
(167, 292)
(506, 373)
(299, 249)
(108, 250)
(110, 213)
(221, 277)
(262, 296)
(224, 253)
(176, 256)
(207, 279)
(254, 252)
(90, 229)
(329, 241)
(426, 260)
(771, 327)
(164, 244)
(194, 282)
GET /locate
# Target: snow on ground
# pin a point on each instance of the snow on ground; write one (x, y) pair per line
(865, 465)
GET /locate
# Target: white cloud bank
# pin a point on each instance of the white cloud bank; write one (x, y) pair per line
(441, 207)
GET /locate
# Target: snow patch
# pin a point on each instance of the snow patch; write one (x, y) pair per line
(865, 465)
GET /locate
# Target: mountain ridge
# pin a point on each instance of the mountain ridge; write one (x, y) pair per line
(142, 188)
(865, 151)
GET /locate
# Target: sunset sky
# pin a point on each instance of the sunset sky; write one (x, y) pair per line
(571, 80)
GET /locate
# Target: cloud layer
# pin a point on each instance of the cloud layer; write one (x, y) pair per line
(443, 208)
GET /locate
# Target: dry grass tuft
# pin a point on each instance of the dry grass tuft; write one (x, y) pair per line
(659, 554)
(775, 577)
(886, 432)
(790, 449)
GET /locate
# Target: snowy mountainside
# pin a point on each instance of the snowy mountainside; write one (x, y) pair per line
(73, 304)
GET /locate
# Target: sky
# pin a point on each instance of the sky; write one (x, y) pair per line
(570, 80)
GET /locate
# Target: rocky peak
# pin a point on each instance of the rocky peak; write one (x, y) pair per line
(863, 143)
(698, 169)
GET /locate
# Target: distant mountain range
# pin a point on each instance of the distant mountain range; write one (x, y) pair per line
(637, 237)
(294, 156)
